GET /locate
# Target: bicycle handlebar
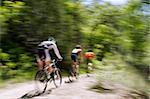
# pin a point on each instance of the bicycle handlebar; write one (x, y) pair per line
(56, 60)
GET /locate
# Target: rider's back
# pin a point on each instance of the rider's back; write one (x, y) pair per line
(47, 44)
(75, 51)
(89, 55)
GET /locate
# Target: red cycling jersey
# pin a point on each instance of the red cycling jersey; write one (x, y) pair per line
(89, 55)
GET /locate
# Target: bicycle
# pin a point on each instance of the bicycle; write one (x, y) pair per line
(42, 77)
(73, 72)
(89, 68)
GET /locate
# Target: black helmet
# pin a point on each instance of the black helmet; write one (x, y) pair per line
(52, 39)
(90, 50)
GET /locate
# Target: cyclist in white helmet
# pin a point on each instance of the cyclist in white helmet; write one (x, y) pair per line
(77, 51)
(76, 56)
(43, 57)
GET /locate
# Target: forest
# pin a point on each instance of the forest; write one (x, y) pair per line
(118, 34)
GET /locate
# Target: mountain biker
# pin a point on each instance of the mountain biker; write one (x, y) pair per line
(89, 55)
(43, 57)
(77, 51)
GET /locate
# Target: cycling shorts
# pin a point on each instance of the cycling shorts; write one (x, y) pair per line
(43, 54)
(74, 57)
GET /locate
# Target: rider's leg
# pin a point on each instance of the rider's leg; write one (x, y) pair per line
(73, 66)
(87, 62)
(48, 61)
(40, 53)
(40, 64)
(74, 69)
(74, 63)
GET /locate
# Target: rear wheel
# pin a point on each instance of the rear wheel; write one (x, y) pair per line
(77, 71)
(74, 73)
(41, 80)
(57, 78)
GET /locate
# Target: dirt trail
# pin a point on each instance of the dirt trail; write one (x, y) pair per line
(75, 90)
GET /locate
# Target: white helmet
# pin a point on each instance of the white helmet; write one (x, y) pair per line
(52, 39)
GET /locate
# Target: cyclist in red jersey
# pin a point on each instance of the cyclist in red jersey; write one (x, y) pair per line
(89, 55)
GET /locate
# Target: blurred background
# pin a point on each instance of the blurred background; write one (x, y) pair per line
(118, 31)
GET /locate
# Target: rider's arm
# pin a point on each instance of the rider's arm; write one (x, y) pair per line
(94, 56)
(56, 51)
(81, 56)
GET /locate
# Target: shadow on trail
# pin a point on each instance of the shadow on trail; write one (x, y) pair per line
(35, 93)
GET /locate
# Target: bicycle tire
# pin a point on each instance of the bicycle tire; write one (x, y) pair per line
(57, 78)
(41, 80)
(73, 73)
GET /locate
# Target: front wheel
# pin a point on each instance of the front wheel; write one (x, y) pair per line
(41, 80)
(57, 78)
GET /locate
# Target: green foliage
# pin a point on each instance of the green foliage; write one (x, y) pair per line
(11, 64)
(24, 58)
(113, 69)
(4, 56)
(14, 62)
(8, 10)
(120, 29)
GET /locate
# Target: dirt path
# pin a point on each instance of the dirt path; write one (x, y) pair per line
(75, 90)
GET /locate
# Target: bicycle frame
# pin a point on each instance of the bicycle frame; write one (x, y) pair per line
(53, 65)
(55, 76)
